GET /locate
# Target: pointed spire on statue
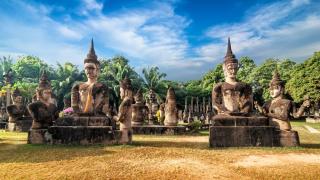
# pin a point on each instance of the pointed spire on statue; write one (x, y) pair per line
(276, 80)
(230, 57)
(91, 56)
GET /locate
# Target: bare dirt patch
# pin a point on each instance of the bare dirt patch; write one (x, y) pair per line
(278, 160)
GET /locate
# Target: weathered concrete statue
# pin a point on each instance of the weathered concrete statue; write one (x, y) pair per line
(279, 110)
(17, 110)
(139, 110)
(232, 97)
(162, 113)
(43, 111)
(171, 111)
(91, 97)
(125, 111)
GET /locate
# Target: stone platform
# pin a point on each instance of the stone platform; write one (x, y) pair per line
(241, 136)
(286, 138)
(3, 125)
(159, 130)
(313, 119)
(220, 120)
(84, 121)
(20, 125)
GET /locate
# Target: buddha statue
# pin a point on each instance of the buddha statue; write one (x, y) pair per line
(231, 97)
(171, 111)
(43, 111)
(278, 109)
(152, 106)
(90, 98)
(125, 111)
(139, 110)
(17, 110)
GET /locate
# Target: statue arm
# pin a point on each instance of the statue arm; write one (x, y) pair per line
(123, 110)
(75, 98)
(12, 111)
(217, 99)
(302, 108)
(247, 100)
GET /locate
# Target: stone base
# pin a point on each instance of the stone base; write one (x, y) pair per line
(223, 120)
(85, 121)
(84, 135)
(158, 129)
(3, 125)
(313, 120)
(134, 123)
(39, 136)
(286, 138)
(23, 125)
(228, 136)
(11, 126)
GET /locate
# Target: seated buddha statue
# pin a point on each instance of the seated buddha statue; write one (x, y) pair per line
(17, 111)
(90, 98)
(43, 110)
(232, 97)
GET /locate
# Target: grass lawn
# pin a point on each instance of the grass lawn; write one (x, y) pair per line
(158, 157)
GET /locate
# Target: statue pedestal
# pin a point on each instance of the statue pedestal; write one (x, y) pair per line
(84, 135)
(39, 136)
(286, 138)
(159, 130)
(237, 131)
(22, 125)
(313, 119)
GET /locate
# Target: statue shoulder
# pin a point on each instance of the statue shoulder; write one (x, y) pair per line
(76, 85)
(217, 86)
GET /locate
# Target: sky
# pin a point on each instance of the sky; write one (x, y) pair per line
(184, 38)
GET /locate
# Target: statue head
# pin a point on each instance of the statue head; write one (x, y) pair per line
(276, 85)
(138, 97)
(230, 63)
(91, 64)
(44, 91)
(16, 97)
(125, 88)
(171, 94)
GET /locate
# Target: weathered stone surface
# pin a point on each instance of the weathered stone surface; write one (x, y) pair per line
(23, 125)
(286, 138)
(11, 126)
(39, 136)
(81, 135)
(227, 136)
(159, 130)
(84, 121)
(222, 120)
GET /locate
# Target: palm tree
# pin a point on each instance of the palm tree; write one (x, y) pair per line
(153, 80)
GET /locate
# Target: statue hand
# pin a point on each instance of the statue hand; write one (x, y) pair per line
(306, 103)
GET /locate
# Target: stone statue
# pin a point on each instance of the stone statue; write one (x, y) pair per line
(152, 106)
(91, 97)
(8, 77)
(170, 109)
(43, 111)
(162, 113)
(232, 97)
(125, 111)
(139, 110)
(279, 110)
(17, 110)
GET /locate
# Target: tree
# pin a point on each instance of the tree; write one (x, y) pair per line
(153, 79)
(247, 65)
(211, 78)
(305, 79)
(29, 68)
(5, 64)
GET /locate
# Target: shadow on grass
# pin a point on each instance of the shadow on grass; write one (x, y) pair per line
(30, 153)
(311, 146)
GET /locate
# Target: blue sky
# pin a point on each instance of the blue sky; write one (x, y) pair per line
(184, 38)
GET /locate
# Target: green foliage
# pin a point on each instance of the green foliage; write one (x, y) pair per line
(153, 79)
(5, 64)
(27, 89)
(29, 69)
(305, 79)
(247, 65)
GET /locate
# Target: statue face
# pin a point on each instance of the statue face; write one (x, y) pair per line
(46, 94)
(18, 99)
(91, 70)
(275, 91)
(230, 70)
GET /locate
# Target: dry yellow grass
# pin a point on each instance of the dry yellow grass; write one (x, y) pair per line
(158, 157)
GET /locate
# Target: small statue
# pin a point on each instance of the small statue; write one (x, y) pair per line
(91, 97)
(232, 97)
(279, 109)
(162, 113)
(125, 111)
(171, 114)
(8, 77)
(139, 110)
(152, 106)
(17, 110)
(43, 111)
